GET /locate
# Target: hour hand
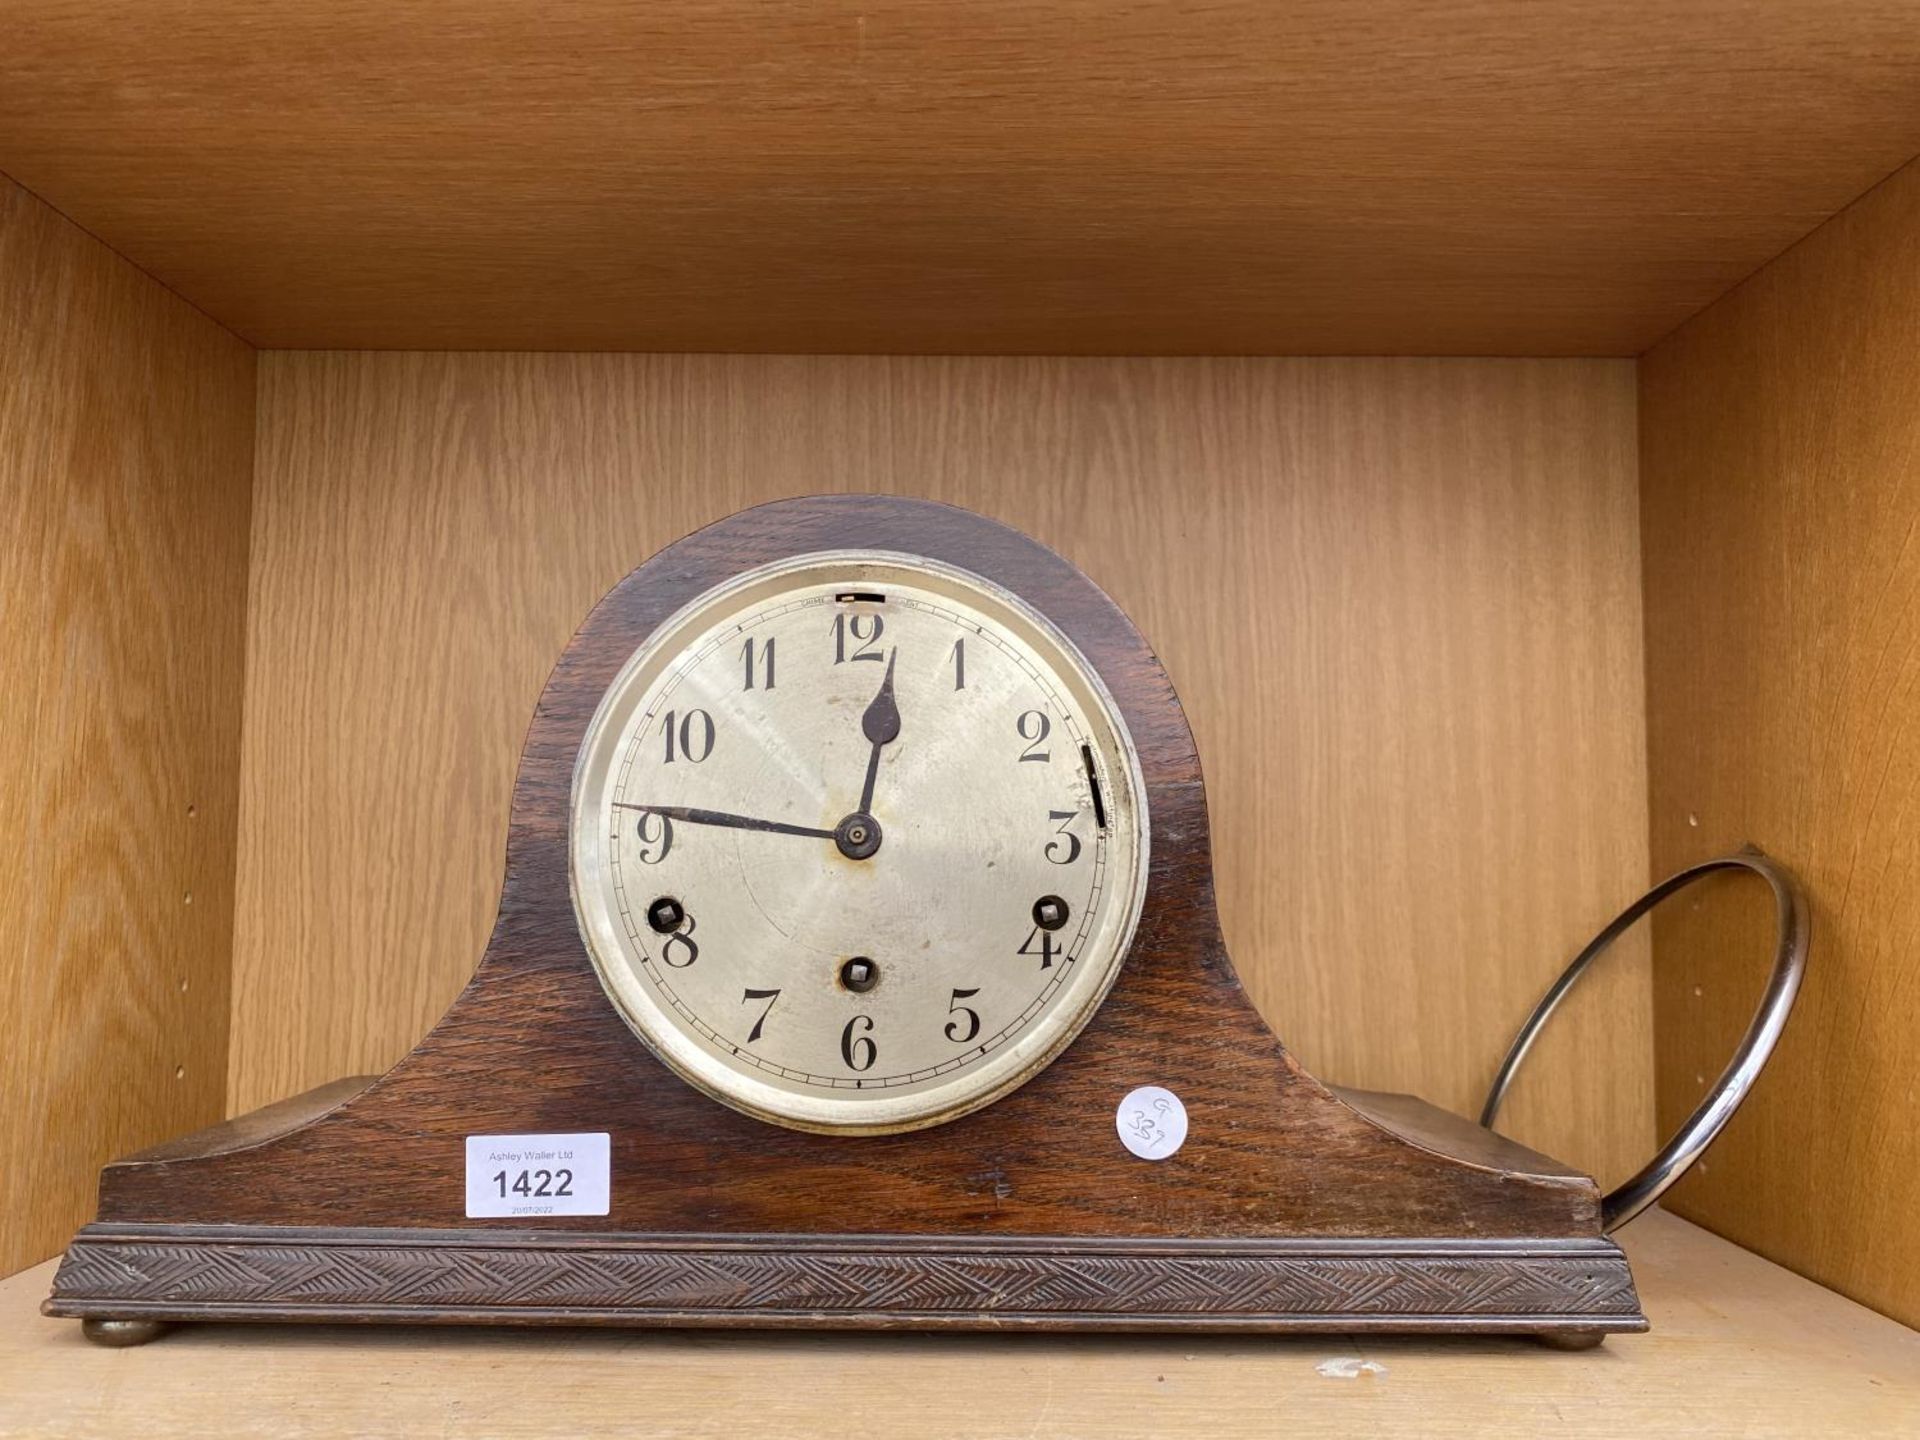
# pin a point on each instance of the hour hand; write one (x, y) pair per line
(720, 817)
(881, 723)
(881, 726)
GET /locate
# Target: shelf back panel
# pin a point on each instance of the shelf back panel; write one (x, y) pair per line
(1400, 599)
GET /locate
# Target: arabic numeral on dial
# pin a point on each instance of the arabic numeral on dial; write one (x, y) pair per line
(772, 998)
(683, 939)
(864, 631)
(766, 663)
(955, 1008)
(1034, 727)
(694, 731)
(959, 658)
(1047, 949)
(1056, 852)
(858, 1051)
(656, 838)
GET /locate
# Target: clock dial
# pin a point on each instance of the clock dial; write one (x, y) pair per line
(858, 842)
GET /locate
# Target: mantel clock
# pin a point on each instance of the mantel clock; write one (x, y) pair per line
(856, 965)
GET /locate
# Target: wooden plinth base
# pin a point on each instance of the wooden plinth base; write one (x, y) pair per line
(133, 1272)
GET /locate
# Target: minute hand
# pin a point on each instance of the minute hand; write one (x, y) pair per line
(881, 726)
(720, 817)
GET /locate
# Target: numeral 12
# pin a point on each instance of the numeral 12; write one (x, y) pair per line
(864, 631)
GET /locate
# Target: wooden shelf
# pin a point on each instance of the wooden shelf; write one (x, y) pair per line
(1738, 1346)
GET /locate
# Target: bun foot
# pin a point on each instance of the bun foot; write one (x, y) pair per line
(118, 1334)
(1571, 1339)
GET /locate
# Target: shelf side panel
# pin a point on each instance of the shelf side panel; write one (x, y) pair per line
(1780, 461)
(126, 464)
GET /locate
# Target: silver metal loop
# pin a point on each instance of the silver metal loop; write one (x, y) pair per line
(1702, 1127)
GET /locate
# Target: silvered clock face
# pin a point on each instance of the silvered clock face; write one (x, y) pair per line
(858, 842)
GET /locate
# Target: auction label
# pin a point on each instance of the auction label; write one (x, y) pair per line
(527, 1176)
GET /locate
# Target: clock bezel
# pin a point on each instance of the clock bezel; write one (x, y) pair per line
(856, 1112)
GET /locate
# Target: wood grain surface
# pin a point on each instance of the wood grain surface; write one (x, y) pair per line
(1739, 1347)
(1326, 176)
(1781, 462)
(126, 444)
(1398, 598)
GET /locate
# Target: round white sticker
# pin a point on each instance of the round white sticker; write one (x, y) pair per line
(1152, 1122)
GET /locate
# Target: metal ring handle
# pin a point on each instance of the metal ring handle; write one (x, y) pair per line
(1705, 1124)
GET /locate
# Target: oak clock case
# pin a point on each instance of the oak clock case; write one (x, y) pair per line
(851, 809)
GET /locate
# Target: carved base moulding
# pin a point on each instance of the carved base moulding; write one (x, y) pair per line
(1290, 1205)
(954, 1282)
